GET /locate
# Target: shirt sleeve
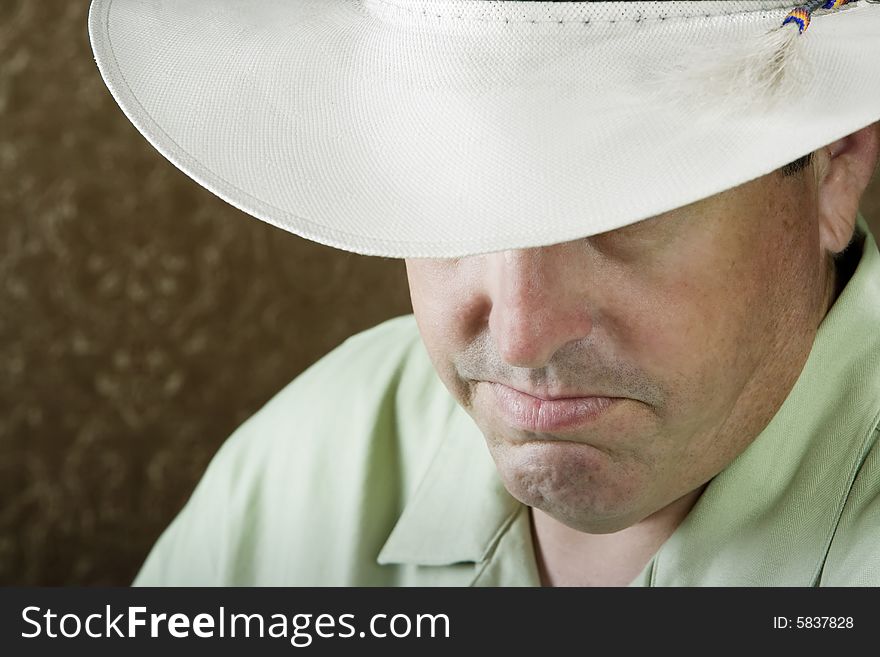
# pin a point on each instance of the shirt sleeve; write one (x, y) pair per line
(189, 551)
(305, 492)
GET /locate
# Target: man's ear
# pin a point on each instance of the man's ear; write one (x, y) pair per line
(843, 171)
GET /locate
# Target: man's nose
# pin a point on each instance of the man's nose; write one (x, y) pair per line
(538, 304)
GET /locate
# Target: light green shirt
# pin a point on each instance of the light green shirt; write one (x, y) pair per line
(365, 471)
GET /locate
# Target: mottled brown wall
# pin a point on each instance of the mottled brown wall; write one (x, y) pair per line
(141, 319)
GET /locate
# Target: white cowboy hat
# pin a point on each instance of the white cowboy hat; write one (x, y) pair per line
(446, 128)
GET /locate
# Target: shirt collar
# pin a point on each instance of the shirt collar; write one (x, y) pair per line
(460, 508)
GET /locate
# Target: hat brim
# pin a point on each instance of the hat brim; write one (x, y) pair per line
(376, 128)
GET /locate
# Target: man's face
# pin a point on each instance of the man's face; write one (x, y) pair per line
(673, 341)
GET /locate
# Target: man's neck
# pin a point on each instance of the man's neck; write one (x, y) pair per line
(567, 557)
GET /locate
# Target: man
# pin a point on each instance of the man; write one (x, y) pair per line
(677, 384)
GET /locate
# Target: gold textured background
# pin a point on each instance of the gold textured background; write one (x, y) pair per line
(141, 318)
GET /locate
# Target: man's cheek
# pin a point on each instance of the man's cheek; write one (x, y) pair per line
(684, 352)
(702, 318)
(666, 340)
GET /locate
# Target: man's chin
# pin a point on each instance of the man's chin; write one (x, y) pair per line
(575, 483)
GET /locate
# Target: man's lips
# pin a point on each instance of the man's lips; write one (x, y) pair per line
(548, 413)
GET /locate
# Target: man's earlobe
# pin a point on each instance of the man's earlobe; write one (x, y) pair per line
(843, 171)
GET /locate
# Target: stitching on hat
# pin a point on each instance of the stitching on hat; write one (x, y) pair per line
(392, 5)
